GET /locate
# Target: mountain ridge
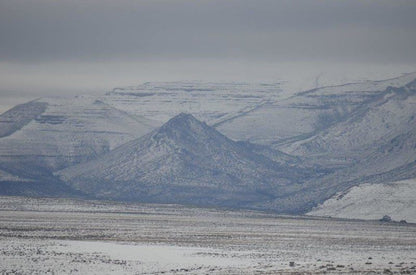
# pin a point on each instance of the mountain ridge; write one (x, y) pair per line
(185, 155)
(307, 146)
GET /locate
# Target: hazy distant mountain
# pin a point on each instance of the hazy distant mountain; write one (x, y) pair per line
(184, 161)
(376, 143)
(284, 120)
(261, 148)
(48, 134)
(209, 102)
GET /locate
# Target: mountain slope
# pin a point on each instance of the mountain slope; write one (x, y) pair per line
(184, 161)
(379, 137)
(48, 134)
(373, 201)
(210, 102)
(19, 116)
(309, 146)
(376, 144)
(282, 121)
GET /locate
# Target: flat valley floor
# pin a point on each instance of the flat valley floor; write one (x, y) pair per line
(64, 236)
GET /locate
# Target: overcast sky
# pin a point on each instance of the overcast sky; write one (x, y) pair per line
(68, 46)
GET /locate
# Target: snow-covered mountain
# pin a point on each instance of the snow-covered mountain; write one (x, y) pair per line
(210, 102)
(375, 143)
(282, 121)
(261, 147)
(260, 113)
(52, 133)
(184, 161)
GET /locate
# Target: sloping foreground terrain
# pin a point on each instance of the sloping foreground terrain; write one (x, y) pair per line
(62, 236)
(260, 147)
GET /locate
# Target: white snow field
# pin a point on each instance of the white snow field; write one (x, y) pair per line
(63, 236)
(372, 202)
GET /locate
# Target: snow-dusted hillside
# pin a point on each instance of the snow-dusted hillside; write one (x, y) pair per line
(19, 116)
(261, 113)
(284, 120)
(184, 161)
(261, 147)
(53, 133)
(210, 102)
(376, 143)
(372, 202)
(388, 113)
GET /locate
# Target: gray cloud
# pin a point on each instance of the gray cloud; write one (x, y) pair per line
(97, 30)
(50, 47)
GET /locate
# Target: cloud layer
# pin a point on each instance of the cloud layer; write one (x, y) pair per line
(52, 47)
(97, 30)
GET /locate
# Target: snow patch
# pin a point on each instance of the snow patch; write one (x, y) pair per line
(372, 202)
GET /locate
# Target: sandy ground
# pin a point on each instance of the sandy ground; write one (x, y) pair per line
(56, 236)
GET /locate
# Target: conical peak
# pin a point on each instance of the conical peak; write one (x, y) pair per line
(183, 116)
(182, 119)
(185, 127)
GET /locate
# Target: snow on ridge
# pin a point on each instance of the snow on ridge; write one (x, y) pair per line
(373, 201)
(211, 102)
(184, 161)
(69, 130)
(75, 130)
(367, 86)
(19, 116)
